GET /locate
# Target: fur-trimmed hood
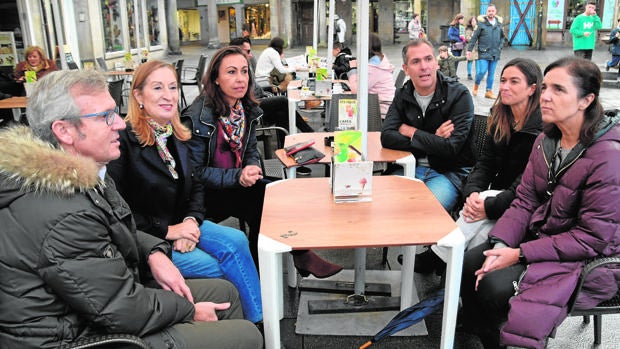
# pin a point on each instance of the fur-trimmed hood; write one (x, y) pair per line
(483, 19)
(30, 164)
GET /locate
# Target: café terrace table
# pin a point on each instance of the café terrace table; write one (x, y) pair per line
(301, 214)
(376, 152)
(294, 95)
(16, 104)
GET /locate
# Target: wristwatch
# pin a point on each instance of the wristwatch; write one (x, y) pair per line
(522, 259)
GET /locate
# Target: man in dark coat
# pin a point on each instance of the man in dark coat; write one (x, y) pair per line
(431, 116)
(489, 36)
(73, 264)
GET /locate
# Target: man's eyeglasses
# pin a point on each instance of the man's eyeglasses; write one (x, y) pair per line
(109, 115)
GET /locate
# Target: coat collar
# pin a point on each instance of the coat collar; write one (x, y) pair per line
(151, 155)
(35, 165)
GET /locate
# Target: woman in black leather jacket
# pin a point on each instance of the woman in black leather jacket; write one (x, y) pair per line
(224, 152)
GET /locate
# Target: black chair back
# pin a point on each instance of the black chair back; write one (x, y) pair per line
(374, 111)
(116, 91)
(102, 64)
(400, 79)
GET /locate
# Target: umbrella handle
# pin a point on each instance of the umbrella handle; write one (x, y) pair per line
(366, 345)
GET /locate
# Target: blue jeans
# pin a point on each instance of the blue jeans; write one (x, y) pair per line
(469, 65)
(223, 252)
(482, 67)
(615, 59)
(440, 185)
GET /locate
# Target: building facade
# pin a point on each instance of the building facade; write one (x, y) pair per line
(82, 31)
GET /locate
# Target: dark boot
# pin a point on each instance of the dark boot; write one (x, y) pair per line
(426, 263)
(308, 262)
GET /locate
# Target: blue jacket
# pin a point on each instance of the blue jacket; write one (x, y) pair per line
(615, 42)
(454, 34)
(490, 39)
(199, 118)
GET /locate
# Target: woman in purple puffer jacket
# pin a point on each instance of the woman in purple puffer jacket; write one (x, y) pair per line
(565, 212)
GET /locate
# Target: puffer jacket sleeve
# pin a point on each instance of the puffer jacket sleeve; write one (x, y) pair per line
(596, 231)
(80, 264)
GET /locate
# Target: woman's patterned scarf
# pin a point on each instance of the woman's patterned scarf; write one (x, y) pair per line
(36, 68)
(234, 126)
(161, 138)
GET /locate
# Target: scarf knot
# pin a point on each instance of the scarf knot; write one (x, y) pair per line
(161, 139)
(234, 127)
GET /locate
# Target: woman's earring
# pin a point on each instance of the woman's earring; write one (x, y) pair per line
(141, 106)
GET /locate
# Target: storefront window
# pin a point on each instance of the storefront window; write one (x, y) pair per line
(403, 14)
(131, 19)
(257, 22)
(152, 15)
(112, 25)
(189, 22)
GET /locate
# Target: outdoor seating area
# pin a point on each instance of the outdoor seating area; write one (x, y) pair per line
(365, 237)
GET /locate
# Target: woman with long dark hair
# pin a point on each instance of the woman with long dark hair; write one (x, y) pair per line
(224, 150)
(512, 127)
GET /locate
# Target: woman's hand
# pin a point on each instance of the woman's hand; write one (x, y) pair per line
(250, 175)
(188, 229)
(498, 258)
(184, 245)
(473, 210)
(206, 311)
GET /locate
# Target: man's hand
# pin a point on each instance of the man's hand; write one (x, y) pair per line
(168, 276)
(468, 54)
(473, 209)
(407, 130)
(205, 311)
(250, 175)
(497, 259)
(445, 130)
(188, 229)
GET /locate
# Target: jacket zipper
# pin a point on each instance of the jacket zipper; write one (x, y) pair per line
(515, 284)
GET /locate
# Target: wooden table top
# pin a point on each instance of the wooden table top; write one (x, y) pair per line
(294, 92)
(302, 214)
(375, 151)
(14, 102)
(119, 72)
